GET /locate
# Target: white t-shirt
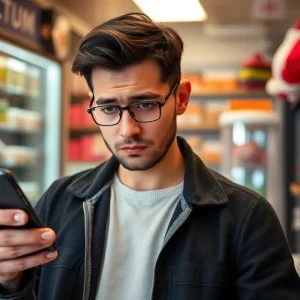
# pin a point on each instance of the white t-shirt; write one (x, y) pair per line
(138, 222)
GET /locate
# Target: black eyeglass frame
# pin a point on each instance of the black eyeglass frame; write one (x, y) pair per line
(122, 108)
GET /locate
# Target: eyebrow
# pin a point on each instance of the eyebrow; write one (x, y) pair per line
(141, 97)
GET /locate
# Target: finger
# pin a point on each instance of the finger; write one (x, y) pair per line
(21, 237)
(13, 217)
(18, 251)
(20, 264)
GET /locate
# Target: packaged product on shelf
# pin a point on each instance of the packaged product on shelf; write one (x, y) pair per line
(85, 147)
(75, 117)
(3, 110)
(16, 71)
(215, 80)
(211, 152)
(195, 141)
(33, 120)
(212, 112)
(3, 71)
(19, 155)
(18, 118)
(74, 149)
(195, 80)
(33, 83)
(15, 118)
(15, 155)
(192, 118)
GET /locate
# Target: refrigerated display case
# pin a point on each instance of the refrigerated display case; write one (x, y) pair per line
(30, 118)
(251, 153)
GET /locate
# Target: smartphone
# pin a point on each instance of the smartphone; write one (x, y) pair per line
(12, 197)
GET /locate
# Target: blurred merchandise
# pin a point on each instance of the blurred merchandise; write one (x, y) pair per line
(251, 150)
(18, 118)
(192, 118)
(212, 80)
(33, 83)
(295, 189)
(15, 76)
(30, 114)
(255, 72)
(211, 152)
(79, 117)
(212, 112)
(3, 110)
(89, 147)
(219, 80)
(13, 155)
(195, 141)
(195, 80)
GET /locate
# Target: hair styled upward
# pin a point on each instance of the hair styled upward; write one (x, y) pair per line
(127, 40)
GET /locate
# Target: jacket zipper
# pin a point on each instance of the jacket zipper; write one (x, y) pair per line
(164, 245)
(88, 209)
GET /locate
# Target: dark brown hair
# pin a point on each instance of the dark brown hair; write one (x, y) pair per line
(127, 40)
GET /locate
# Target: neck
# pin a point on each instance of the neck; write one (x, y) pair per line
(167, 173)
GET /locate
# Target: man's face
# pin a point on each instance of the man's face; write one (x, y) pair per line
(137, 146)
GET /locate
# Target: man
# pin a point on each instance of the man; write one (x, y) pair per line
(152, 222)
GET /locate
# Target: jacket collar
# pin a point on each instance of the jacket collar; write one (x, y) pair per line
(200, 186)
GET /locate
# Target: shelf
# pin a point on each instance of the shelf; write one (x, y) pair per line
(295, 189)
(85, 129)
(250, 166)
(15, 166)
(10, 92)
(83, 96)
(199, 129)
(231, 93)
(17, 130)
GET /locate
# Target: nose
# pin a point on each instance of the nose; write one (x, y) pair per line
(128, 127)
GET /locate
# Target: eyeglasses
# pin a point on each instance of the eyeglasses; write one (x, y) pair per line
(142, 112)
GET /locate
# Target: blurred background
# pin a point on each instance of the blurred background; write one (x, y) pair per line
(232, 122)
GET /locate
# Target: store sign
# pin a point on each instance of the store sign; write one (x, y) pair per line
(21, 17)
(268, 9)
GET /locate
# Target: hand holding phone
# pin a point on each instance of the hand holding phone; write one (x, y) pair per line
(25, 242)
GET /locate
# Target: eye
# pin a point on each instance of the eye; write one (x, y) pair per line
(109, 109)
(145, 105)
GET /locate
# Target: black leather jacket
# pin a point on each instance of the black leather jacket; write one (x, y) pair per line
(223, 242)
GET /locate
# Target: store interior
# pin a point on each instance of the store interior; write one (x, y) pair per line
(233, 122)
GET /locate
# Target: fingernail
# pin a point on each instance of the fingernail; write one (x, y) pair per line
(51, 254)
(19, 218)
(47, 235)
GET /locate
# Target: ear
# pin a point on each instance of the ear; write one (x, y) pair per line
(183, 96)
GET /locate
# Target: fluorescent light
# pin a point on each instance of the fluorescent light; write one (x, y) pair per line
(172, 10)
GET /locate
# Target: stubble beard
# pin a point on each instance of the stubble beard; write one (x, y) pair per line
(156, 156)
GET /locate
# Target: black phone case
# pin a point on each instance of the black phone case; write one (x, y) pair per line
(12, 197)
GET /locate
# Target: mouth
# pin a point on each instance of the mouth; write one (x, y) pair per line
(134, 149)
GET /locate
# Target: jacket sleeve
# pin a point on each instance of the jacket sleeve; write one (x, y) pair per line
(265, 266)
(32, 276)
